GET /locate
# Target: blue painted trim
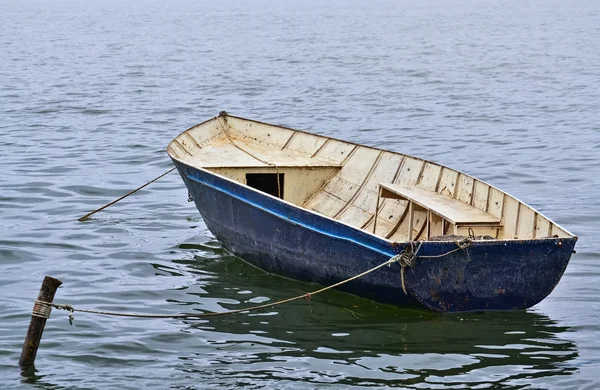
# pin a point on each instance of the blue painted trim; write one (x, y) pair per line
(298, 222)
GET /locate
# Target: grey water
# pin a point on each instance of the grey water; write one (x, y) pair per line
(91, 92)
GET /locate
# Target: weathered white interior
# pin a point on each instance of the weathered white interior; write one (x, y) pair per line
(349, 182)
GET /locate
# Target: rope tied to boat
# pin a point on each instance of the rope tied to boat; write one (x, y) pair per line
(462, 245)
(85, 217)
(408, 257)
(47, 306)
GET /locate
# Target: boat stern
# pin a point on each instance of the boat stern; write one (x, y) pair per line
(488, 275)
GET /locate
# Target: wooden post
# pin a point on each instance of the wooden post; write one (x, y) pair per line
(37, 324)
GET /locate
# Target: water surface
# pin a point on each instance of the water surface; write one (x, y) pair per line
(92, 92)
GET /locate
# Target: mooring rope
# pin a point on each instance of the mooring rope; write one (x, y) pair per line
(462, 245)
(405, 259)
(307, 296)
(124, 196)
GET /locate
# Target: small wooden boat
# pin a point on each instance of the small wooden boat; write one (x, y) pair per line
(322, 210)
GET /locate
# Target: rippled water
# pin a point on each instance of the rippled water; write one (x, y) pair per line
(91, 93)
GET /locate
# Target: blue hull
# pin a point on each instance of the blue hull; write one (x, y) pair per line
(287, 240)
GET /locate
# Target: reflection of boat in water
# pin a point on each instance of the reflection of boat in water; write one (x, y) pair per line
(323, 210)
(346, 339)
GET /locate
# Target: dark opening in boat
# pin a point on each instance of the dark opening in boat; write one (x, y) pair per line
(266, 182)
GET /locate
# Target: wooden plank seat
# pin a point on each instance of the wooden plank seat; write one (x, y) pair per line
(441, 211)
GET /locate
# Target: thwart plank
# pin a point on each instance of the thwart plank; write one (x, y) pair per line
(452, 210)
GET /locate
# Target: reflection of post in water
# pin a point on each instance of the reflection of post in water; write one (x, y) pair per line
(405, 347)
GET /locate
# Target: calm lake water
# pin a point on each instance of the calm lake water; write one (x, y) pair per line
(91, 92)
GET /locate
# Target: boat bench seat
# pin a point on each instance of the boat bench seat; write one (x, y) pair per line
(440, 210)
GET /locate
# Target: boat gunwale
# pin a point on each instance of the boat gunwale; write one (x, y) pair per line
(571, 235)
(490, 242)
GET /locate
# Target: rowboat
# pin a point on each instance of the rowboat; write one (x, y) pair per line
(321, 210)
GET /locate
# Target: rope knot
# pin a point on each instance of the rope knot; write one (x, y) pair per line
(68, 308)
(407, 259)
(409, 255)
(63, 307)
(465, 243)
